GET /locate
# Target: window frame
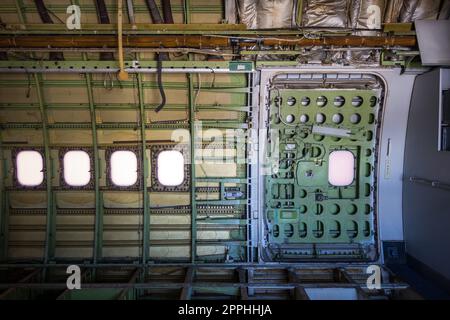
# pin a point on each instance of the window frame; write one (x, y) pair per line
(62, 182)
(110, 184)
(16, 182)
(156, 186)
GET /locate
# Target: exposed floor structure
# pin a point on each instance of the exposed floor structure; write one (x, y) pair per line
(204, 150)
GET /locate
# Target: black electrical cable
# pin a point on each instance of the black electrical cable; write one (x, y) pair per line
(160, 83)
(167, 11)
(103, 17)
(154, 12)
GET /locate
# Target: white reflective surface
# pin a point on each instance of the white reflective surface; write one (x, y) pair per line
(341, 168)
(123, 168)
(170, 168)
(29, 166)
(77, 166)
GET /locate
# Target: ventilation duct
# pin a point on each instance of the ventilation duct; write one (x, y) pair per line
(247, 13)
(325, 13)
(419, 10)
(444, 14)
(266, 14)
(273, 14)
(356, 14)
(392, 13)
(367, 14)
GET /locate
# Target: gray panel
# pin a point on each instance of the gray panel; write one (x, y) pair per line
(426, 210)
(434, 42)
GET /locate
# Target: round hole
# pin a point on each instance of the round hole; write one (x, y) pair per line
(302, 230)
(316, 152)
(305, 101)
(339, 101)
(319, 209)
(335, 229)
(357, 101)
(320, 118)
(291, 101)
(335, 209)
(351, 209)
(288, 230)
(337, 118)
(352, 229)
(276, 231)
(303, 209)
(290, 118)
(373, 101)
(318, 232)
(318, 137)
(321, 101)
(355, 118)
(303, 193)
(335, 139)
(304, 118)
(366, 230)
(367, 190)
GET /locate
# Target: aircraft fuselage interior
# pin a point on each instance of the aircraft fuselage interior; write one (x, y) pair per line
(225, 149)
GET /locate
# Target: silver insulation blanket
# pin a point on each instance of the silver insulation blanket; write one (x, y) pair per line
(266, 14)
(419, 10)
(325, 13)
(445, 10)
(367, 14)
(247, 12)
(393, 9)
(274, 14)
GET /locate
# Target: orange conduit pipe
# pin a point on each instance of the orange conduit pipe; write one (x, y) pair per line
(123, 75)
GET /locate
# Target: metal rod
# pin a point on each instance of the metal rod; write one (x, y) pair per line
(133, 279)
(167, 285)
(19, 6)
(154, 11)
(128, 70)
(197, 41)
(128, 50)
(242, 279)
(266, 265)
(130, 10)
(193, 200)
(145, 199)
(431, 183)
(25, 279)
(167, 11)
(50, 223)
(98, 228)
(299, 290)
(186, 292)
(123, 75)
(187, 11)
(102, 13)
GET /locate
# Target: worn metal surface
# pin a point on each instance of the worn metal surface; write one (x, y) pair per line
(197, 282)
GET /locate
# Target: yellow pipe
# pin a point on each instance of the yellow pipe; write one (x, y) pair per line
(123, 75)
